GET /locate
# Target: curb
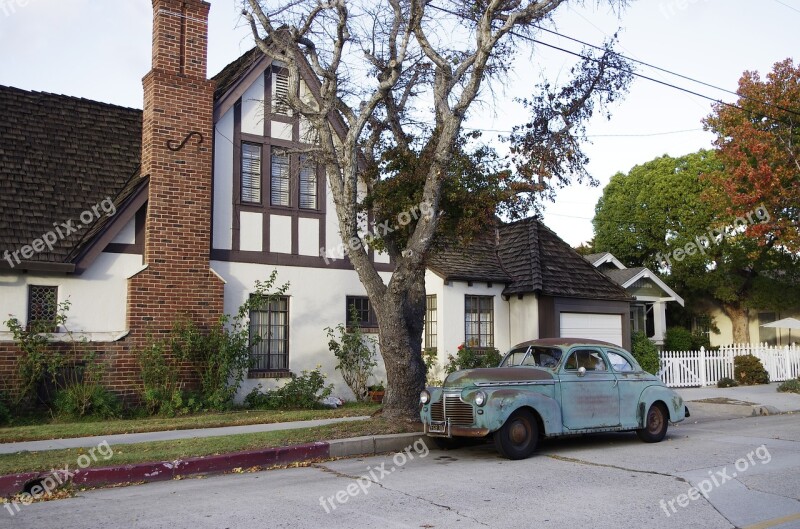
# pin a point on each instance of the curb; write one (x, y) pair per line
(12, 484)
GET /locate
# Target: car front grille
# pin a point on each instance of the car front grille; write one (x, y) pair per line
(459, 413)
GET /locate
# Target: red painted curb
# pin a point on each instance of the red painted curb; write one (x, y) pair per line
(165, 470)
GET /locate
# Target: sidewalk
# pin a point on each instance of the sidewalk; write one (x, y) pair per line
(761, 395)
(132, 438)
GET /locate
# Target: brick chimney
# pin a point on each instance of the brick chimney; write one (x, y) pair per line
(176, 155)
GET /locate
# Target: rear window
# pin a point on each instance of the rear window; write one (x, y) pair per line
(532, 356)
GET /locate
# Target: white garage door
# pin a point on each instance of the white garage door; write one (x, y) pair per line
(606, 327)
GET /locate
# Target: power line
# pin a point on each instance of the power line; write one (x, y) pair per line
(787, 5)
(636, 74)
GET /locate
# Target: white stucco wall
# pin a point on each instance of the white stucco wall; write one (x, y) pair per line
(725, 335)
(450, 313)
(127, 235)
(98, 297)
(523, 318)
(223, 182)
(253, 108)
(316, 300)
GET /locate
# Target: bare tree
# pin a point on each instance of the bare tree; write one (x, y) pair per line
(399, 74)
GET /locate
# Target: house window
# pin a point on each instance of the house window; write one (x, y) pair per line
(42, 308)
(270, 323)
(364, 313)
(430, 322)
(280, 92)
(479, 321)
(308, 183)
(279, 188)
(767, 335)
(251, 173)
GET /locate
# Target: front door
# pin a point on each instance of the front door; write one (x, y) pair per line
(589, 400)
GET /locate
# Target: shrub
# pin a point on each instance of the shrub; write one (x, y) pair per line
(678, 339)
(81, 400)
(161, 385)
(748, 370)
(304, 391)
(790, 386)
(434, 375)
(469, 358)
(5, 413)
(726, 382)
(355, 353)
(645, 352)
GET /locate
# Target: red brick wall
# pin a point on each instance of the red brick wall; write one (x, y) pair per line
(178, 100)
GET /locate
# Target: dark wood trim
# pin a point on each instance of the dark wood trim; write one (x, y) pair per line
(285, 259)
(236, 196)
(125, 213)
(39, 266)
(138, 245)
(237, 90)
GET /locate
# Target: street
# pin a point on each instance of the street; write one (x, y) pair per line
(748, 468)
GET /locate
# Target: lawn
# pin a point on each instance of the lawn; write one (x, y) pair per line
(62, 429)
(183, 448)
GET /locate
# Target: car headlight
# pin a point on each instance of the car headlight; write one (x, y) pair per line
(424, 396)
(480, 398)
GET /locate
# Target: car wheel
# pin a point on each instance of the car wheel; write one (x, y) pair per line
(655, 424)
(518, 437)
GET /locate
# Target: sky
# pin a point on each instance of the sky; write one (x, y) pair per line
(100, 50)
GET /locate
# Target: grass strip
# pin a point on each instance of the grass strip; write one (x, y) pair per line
(91, 428)
(202, 446)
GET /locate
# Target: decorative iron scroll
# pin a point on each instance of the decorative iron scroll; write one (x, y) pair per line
(171, 143)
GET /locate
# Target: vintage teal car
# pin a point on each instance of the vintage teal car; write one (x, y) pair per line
(549, 388)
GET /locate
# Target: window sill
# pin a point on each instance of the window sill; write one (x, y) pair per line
(269, 374)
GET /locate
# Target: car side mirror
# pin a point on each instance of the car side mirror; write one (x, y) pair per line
(581, 371)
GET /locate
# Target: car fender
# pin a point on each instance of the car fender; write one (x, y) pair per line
(503, 402)
(656, 393)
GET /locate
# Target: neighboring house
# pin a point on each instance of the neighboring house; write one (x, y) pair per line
(758, 334)
(648, 312)
(137, 216)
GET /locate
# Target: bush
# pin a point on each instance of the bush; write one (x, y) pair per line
(355, 353)
(5, 413)
(433, 370)
(645, 352)
(678, 339)
(304, 391)
(790, 386)
(80, 400)
(748, 370)
(469, 358)
(161, 387)
(726, 382)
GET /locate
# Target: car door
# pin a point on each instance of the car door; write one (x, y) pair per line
(589, 399)
(631, 385)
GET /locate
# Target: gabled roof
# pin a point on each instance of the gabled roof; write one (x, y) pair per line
(235, 71)
(627, 277)
(528, 257)
(598, 259)
(59, 157)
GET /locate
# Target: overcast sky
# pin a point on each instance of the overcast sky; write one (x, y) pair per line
(100, 49)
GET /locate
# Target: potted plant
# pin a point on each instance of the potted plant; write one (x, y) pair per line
(376, 392)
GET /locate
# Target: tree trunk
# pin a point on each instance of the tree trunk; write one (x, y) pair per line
(401, 322)
(740, 321)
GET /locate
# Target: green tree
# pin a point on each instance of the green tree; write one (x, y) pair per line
(660, 215)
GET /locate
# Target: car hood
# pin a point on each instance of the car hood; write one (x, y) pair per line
(470, 377)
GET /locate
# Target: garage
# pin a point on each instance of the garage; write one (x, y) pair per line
(606, 327)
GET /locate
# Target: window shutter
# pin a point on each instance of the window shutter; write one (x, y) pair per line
(251, 173)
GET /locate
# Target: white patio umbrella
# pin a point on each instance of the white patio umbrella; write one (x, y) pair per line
(785, 323)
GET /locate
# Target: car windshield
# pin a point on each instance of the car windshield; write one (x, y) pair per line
(532, 356)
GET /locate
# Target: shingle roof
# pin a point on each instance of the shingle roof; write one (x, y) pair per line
(594, 257)
(623, 276)
(59, 156)
(231, 73)
(477, 261)
(532, 258)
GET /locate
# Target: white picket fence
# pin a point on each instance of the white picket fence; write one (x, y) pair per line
(680, 369)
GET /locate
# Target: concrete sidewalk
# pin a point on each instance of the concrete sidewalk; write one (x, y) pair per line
(766, 395)
(88, 442)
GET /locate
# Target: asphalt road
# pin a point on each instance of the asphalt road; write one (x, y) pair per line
(748, 468)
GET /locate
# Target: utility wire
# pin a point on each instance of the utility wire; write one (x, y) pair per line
(636, 74)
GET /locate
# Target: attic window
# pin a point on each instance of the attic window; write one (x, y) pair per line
(280, 92)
